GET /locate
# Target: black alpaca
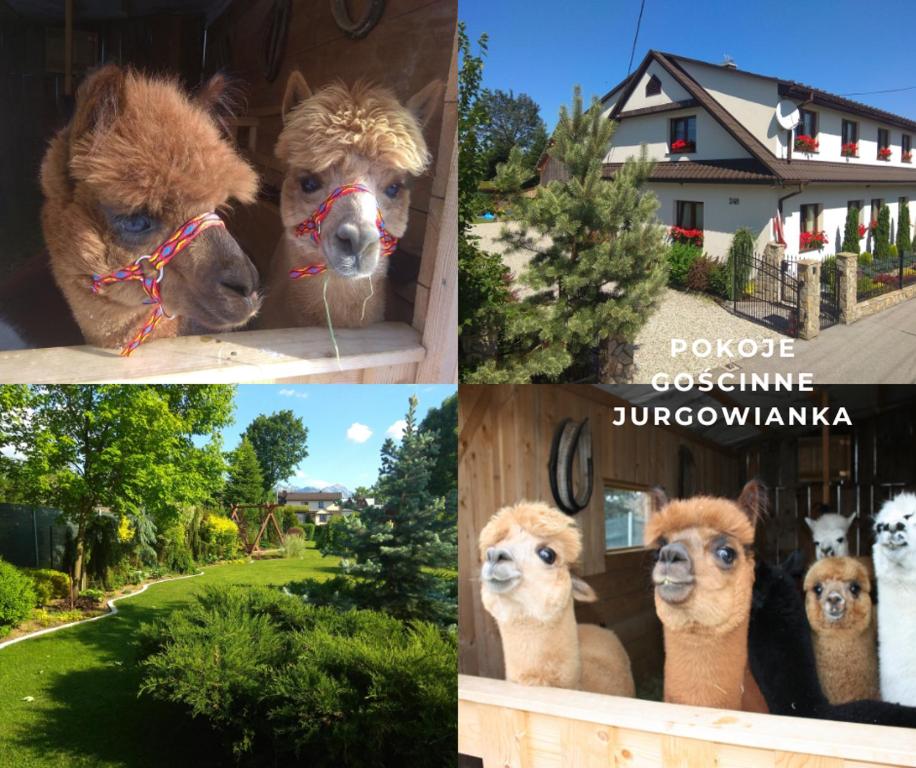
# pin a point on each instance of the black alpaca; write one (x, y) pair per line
(782, 657)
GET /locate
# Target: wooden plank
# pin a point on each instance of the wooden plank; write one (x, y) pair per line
(656, 730)
(228, 357)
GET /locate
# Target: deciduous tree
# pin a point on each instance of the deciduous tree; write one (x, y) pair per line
(280, 442)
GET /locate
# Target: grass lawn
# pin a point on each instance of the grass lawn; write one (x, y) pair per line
(84, 681)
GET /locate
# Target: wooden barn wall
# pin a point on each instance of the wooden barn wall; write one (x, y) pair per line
(412, 44)
(505, 434)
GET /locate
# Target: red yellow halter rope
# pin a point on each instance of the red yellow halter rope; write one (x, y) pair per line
(168, 250)
(312, 226)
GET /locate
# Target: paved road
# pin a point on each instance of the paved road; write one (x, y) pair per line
(879, 349)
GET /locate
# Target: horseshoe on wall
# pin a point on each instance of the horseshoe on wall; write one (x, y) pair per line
(569, 440)
(362, 27)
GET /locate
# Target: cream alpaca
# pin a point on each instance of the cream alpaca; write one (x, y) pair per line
(830, 533)
(894, 555)
(839, 609)
(336, 137)
(527, 586)
(703, 578)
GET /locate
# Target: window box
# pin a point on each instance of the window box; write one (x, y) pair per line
(688, 236)
(812, 241)
(884, 153)
(682, 146)
(862, 230)
(851, 149)
(907, 157)
(806, 144)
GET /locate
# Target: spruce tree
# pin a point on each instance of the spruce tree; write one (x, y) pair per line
(393, 545)
(904, 242)
(851, 233)
(882, 233)
(245, 481)
(602, 271)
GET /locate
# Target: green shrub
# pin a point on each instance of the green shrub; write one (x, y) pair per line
(294, 546)
(48, 585)
(865, 258)
(324, 534)
(904, 240)
(175, 553)
(719, 280)
(308, 530)
(287, 682)
(17, 597)
(221, 538)
(851, 231)
(883, 233)
(294, 530)
(93, 594)
(829, 267)
(288, 518)
(680, 257)
(698, 275)
(738, 265)
(892, 251)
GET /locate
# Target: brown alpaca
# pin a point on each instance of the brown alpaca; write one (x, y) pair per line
(703, 578)
(527, 586)
(843, 629)
(334, 138)
(138, 160)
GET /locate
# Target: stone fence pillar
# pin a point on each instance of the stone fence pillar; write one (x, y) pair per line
(847, 267)
(809, 298)
(768, 283)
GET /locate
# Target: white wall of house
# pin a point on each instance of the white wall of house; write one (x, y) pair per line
(713, 141)
(671, 89)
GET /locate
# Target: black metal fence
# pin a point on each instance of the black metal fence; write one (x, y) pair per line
(875, 276)
(830, 292)
(766, 294)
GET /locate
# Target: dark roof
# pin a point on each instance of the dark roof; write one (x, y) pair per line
(313, 496)
(740, 170)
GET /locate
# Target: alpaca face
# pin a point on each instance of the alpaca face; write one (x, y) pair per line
(526, 552)
(837, 595)
(138, 160)
(895, 535)
(829, 532)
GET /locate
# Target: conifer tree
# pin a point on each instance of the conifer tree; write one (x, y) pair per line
(245, 481)
(602, 272)
(394, 545)
(851, 233)
(882, 233)
(904, 242)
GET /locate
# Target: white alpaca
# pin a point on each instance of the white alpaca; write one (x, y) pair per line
(526, 585)
(829, 534)
(894, 555)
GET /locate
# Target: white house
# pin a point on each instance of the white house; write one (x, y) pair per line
(724, 162)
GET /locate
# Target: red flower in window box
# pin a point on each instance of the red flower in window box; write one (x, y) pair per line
(682, 145)
(862, 230)
(688, 236)
(884, 153)
(873, 225)
(810, 241)
(850, 149)
(806, 144)
(907, 156)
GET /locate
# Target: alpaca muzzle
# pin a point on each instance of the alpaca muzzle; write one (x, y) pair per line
(834, 606)
(499, 572)
(673, 573)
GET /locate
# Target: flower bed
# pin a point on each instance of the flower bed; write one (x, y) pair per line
(682, 145)
(806, 144)
(884, 153)
(812, 241)
(850, 149)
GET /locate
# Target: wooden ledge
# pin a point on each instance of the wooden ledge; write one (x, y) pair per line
(516, 725)
(228, 357)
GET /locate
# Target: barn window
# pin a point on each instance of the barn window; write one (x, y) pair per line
(654, 86)
(624, 516)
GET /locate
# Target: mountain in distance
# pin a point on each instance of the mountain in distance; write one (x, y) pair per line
(336, 488)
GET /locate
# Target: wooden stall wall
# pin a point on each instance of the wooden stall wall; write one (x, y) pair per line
(505, 435)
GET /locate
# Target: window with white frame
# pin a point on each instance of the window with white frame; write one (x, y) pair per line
(625, 511)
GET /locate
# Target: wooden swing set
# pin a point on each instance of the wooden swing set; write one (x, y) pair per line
(253, 547)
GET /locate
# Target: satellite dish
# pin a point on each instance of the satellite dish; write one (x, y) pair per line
(787, 115)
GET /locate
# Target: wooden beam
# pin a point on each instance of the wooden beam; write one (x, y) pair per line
(825, 452)
(68, 48)
(227, 357)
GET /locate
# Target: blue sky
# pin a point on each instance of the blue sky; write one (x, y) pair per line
(544, 48)
(339, 452)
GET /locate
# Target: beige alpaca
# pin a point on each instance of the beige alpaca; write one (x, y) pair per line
(703, 576)
(339, 136)
(843, 629)
(527, 586)
(138, 160)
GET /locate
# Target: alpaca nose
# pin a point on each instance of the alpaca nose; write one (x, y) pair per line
(353, 241)
(498, 555)
(835, 599)
(674, 553)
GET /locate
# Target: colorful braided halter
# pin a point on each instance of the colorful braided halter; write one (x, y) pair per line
(312, 226)
(168, 250)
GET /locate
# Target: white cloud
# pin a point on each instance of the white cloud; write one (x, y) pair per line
(358, 433)
(305, 480)
(293, 393)
(396, 430)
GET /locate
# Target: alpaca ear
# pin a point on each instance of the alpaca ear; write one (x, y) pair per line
(794, 564)
(582, 592)
(425, 103)
(658, 499)
(220, 96)
(753, 500)
(810, 523)
(297, 90)
(847, 521)
(98, 100)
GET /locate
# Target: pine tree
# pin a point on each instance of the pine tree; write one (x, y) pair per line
(603, 270)
(882, 233)
(245, 482)
(851, 233)
(904, 242)
(394, 545)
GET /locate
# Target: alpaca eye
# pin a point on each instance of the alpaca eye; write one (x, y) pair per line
(817, 543)
(840, 540)
(726, 554)
(818, 590)
(310, 184)
(134, 223)
(855, 589)
(392, 190)
(547, 555)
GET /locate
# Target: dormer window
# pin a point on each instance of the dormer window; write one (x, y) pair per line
(654, 86)
(682, 135)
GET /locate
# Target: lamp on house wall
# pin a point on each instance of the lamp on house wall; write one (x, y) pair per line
(571, 440)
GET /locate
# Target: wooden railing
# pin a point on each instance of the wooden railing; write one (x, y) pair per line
(515, 726)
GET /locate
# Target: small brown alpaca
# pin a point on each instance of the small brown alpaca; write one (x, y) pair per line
(353, 151)
(703, 576)
(843, 629)
(527, 586)
(138, 161)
